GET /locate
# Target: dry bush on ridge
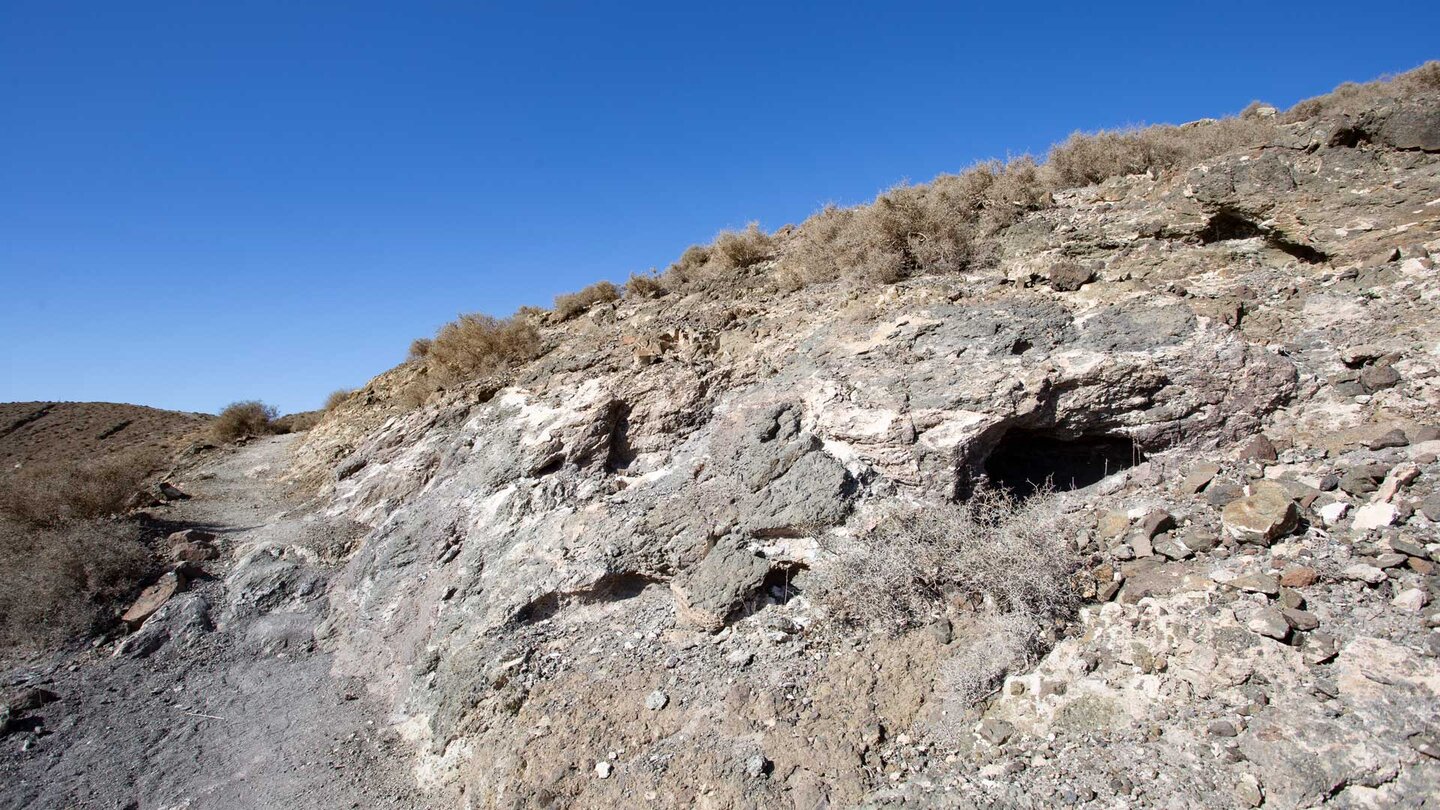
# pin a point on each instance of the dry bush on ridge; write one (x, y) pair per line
(338, 397)
(475, 345)
(722, 262)
(61, 581)
(644, 285)
(912, 230)
(570, 305)
(1083, 159)
(56, 493)
(240, 419)
(419, 348)
(1352, 97)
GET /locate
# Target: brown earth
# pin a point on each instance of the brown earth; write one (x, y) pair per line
(58, 431)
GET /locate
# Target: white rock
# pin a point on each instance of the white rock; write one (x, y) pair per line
(1332, 513)
(1364, 573)
(1412, 600)
(603, 768)
(1374, 515)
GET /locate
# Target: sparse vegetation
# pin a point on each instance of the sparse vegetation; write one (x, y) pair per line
(61, 492)
(419, 348)
(241, 419)
(570, 305)
(65, 579)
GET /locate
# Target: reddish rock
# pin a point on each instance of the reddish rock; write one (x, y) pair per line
(1298, 576)
(153, 598)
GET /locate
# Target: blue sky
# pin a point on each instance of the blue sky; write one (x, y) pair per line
(205, 202)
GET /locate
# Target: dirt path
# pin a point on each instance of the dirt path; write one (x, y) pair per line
(237, 708)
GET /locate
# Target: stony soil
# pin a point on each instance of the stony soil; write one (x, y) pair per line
(228, 711)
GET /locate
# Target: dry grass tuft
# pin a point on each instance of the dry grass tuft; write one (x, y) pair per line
(644, 285)
(57, 493)
(573, 304)
(722, 263)
(65, 580)
(240, 419)
(914, 230)
(419, 348)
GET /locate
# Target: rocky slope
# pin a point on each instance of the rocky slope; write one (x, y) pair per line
(599, 579)
(60, 431)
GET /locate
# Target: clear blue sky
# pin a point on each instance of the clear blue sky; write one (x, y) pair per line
(204, 202)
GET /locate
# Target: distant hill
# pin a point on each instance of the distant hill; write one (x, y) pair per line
(45, 431)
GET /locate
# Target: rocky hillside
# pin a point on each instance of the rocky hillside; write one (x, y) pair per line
(60, 431)
(678, 549)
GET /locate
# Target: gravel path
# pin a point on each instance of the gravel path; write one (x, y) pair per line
(245, 715)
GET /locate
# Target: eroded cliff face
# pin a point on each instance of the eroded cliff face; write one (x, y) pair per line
(586, 584)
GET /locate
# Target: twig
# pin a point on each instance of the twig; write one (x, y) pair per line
(206, 716)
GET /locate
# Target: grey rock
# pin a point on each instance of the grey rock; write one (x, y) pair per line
(1067, 276)
(996, 731)
(1270, 623)
(757, 766)
(1256, 583)
(657, 700)
(1395, 437)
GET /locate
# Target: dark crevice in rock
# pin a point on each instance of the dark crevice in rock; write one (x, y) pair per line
(1348, 138)
(1024, 461)
(619, 453)
(1225, 225)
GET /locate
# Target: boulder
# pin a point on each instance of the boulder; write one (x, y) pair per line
(1265, 514)
(153, 598)
(1069, 276)
(707, 595)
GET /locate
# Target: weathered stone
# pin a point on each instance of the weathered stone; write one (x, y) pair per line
(1262, 516)
(996, 731)
(1270, 623)
(1364, 573)
(707, 595)
(1256, 583)
(1298, 576)
(152, 598)
(1302, 620)
(1379, 377)
(1395, 437)
(1221, 728)
(1221, 493)
(170, 492)
(1259, 448)
(1155, 522)
(1332, 513)
(657, 700)
(1112, 524)
(1412, 600)
(1199, 477)
(1067, 276)
(1291, 598)
(1375, 515)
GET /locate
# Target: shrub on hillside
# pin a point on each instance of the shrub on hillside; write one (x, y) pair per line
(60, 581)
(644, 285)
(56, 493)
(419, 347)
(337, 397)
(913, 230)
(475, 345)
(241, 419)
(722, 261)
(570, 305)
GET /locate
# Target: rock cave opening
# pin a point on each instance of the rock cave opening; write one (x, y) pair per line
(1024, 460)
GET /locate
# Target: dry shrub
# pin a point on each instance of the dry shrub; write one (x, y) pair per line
(419, 348)
(1002, 564)
(722, 263)
(56, 493)
(1084, 159)
(644, 285)
(993, 554)
(573, 304)
(65, 580)
(240, 419)
(338, 397)
(914, 230)
(1350, 97)
(475, 345)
